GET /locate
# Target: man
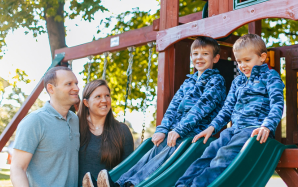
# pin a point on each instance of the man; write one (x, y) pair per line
(48, 140)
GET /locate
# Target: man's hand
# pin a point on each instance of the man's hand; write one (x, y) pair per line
(262, 132)
(206, 133)
(157, 138)
(172, 138)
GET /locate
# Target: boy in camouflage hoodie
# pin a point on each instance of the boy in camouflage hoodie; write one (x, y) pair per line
(254, 105)
(191, 110)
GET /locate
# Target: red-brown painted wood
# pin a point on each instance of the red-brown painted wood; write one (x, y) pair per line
(223, 6)
(182, 20)
(213, 7)
(288, 159)
(291, 95)
(169, 16)
(190, 17)
(135, 37)
(255, 27)
(22, 112)
(277, 68)
(182, 61)
(223, 24)
(231, 5)
(289, 176)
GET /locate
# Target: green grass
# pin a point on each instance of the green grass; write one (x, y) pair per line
(4, 174)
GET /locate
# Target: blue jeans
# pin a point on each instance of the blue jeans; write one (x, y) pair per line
(216, 158)
(148, 164)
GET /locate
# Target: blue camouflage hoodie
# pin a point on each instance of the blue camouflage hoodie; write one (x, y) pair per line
(254, 102)
(195, 104)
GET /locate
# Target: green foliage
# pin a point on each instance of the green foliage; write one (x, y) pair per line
(30, 14)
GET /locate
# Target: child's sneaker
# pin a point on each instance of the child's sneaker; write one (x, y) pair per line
(89, 181)
(103, 179)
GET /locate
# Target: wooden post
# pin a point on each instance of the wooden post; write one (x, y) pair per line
(291, 96)
(289, 176)
(169, 17)
(278, 133)
(255, 27)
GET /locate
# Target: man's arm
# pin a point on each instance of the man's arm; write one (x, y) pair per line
(19, 164)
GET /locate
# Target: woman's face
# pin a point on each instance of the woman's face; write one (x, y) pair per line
(99, 102)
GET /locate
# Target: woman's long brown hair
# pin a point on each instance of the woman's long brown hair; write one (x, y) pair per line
(112, 138)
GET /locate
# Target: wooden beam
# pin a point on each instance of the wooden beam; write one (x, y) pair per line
(291, 94)
(288, 159)
(190, 17)
(22, 112)
(222, 25)
(135, 37)
(289, 176)
(169, 15)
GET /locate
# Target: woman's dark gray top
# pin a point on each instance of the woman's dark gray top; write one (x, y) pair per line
(89, 159)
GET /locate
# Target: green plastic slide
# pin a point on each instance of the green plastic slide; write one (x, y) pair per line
(131, 160)
(178, 152)
(177, 169)
(253, 166)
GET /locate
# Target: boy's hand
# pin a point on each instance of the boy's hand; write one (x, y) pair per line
(172, 137)
(157, 138)
(206, 133)
(262, 132)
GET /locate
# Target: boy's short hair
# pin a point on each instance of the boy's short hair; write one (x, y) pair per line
(203, 41)
(50, 76)
(253, 40)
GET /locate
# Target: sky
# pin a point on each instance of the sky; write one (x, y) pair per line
(33, 54)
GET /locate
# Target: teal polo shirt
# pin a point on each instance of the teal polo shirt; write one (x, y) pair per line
(54, 143)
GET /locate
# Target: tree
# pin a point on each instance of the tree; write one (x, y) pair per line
(32, 14)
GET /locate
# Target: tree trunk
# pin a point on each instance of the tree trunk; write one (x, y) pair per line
(56, 30)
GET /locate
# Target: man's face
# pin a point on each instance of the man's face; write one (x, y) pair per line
(66, 90)
(203, 58)
(247, 58)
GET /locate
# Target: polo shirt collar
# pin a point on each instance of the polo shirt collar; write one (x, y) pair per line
(54, 112)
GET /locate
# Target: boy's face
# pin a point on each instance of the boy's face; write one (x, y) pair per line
(202, 58)
(247, 59)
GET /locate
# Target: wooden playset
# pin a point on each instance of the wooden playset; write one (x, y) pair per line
(172, 35)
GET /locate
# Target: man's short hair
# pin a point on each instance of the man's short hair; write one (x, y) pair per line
(203, 41)
(51, 76)
(250, 40)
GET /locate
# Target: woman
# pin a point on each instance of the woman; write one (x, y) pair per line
(105, 142)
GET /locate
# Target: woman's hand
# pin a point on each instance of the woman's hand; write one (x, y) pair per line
(206, 133)
(172, 138)
(157, 138)
(262, 132)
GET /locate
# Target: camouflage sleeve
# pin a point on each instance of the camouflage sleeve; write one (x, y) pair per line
(275, 88)
(169, 118)
(211, 98)
(224, 115)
